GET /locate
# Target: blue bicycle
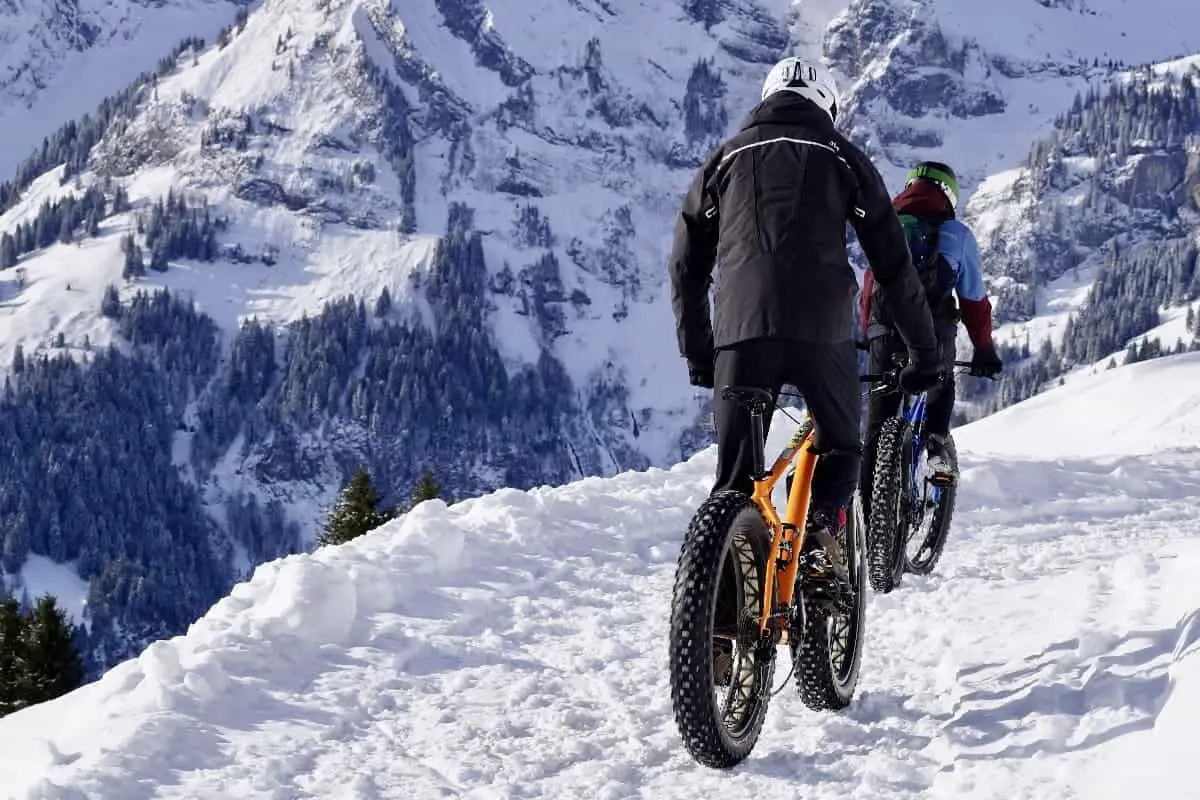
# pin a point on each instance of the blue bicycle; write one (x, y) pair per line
(904, 494)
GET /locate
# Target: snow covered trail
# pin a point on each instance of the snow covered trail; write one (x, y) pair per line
(514, 646)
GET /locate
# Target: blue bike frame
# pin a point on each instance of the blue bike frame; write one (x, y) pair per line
(913, 410)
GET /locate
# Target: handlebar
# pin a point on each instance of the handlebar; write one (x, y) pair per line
(887, 382)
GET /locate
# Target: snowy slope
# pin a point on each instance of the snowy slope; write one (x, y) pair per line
(1150, 761)
(590, 133)
(908, 67)
(1140, 409)
(593, 138)
(58, 60)
(1050, 229)
(512, 645)
(342, 141)
(569, 116)
(977, 87)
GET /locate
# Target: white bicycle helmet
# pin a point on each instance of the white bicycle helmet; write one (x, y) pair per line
(808, 79)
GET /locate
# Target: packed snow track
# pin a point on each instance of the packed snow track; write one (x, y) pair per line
(513, 646)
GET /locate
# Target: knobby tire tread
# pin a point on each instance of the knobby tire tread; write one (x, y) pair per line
(886, 527)
(697, 578)
(820, 687)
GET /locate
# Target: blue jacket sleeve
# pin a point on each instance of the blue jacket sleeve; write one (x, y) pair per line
(963, 252)
(961, 249)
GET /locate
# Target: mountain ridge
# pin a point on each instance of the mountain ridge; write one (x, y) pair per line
(436, 236)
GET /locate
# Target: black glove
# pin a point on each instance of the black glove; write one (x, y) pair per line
(701, 374)
(986, 363)
(921, 376)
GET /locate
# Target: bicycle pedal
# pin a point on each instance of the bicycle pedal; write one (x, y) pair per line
(942, 481)
(816, 563)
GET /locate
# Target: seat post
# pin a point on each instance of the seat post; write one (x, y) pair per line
(756, 400)
(758, 457)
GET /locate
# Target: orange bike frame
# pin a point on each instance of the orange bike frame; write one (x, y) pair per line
(787, 537)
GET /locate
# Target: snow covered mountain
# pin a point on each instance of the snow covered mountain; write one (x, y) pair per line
(1072, 127)
(463, 243)
(59, 59)
(1095, 245)
(512, 644)
(428, 233)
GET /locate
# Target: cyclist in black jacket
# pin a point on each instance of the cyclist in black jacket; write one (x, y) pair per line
(769, 210)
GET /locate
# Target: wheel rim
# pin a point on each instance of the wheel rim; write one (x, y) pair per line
(920, 528)
(738, 701)
(927, 534)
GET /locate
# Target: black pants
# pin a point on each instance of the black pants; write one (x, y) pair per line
(939, 401)
(827, 376)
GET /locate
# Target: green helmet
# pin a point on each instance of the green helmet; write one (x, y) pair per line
(940, 174)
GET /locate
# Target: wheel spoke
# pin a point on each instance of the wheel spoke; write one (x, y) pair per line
(737, 705)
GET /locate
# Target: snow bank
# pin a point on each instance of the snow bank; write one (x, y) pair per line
(485, 582)
(1160, 762)
(1136, 409)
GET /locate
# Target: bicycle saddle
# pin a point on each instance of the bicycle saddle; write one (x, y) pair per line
(748, 396)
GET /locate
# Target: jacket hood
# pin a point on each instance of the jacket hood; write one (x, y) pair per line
(925, 199)
(788, 108)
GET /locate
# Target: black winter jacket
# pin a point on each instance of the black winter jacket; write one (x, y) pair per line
(769, 210)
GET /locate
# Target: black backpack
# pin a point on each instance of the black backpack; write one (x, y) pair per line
(935, 272)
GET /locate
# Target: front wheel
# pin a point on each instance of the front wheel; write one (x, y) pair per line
(720, 669)
(827, 652)
(887, 527)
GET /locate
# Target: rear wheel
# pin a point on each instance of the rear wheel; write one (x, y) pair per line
(827, 646)
(721, 670)
(927, 554)
(887, 526)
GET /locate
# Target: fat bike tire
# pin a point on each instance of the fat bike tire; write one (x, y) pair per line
(827, 645)
(887, 527)
(717, 603)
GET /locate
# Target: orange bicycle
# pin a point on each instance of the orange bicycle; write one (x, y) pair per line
(740, 591)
